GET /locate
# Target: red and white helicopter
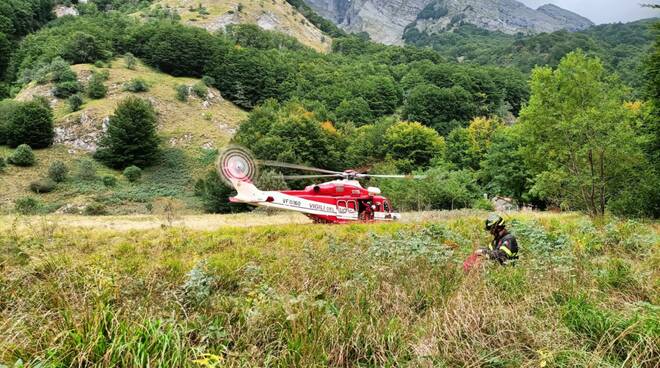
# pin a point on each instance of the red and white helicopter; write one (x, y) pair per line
(339, 201)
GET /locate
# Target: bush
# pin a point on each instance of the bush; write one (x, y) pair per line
(75, 102)
(483, 204)
(133, 173)
(131, 136)
(200, 90)
(182, 92)
(109, 181)
(96, 89)
(66, 89)
(3, 164)
(136, 85)
(27, 206)
(22, 156)
(130, 61)
(86, 170)
(208, 81)
(30, 123)
(45, 185)
(95, 209)
(58, 171)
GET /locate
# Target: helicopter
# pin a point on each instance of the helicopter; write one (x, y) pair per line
(339, 201)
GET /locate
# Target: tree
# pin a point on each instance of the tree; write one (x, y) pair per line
(86, 48)
(355, 110)
(30, 123)
(503, 171)
(578, 137)
(480, 131)
(131, 136)
(459, 149)
(96, 89)
(440, 108)
(414, 143)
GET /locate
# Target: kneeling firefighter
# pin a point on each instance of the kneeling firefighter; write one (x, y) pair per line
(504, 247)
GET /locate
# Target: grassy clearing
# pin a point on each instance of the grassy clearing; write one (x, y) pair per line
(277, 15)
(583, 294)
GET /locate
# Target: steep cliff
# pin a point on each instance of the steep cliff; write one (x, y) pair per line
(385, 20)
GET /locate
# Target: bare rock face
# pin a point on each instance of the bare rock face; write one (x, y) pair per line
(81, 132)
(385, 20)
(573, 22)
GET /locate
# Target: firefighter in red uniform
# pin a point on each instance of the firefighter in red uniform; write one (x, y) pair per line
(504, 247)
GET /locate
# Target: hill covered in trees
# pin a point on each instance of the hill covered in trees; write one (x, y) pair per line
(389, 108)
(622, 47)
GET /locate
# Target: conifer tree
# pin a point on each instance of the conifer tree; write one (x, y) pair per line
(131, 137)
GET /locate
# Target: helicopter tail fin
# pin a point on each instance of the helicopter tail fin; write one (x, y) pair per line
(246, 192)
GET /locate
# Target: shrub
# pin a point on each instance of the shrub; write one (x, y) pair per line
(30, 123)
(200, 89)
(86, 170)
(95, 209)
(75, 102)
(45, 185)
(3, 164)
(182, 92)
(131, 136)
(66, 89)
(132, 173)
(109, 181)
(483, 204)
(208, 81)
(58, 171)
(136, 85)
(130, 61)
(22, 156)
(61, 71)
(27, 206)
(96, 89)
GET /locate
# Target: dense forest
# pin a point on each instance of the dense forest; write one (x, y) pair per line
(621, 47)
(474, 128)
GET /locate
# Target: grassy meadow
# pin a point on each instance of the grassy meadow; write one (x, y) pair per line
(584, 294)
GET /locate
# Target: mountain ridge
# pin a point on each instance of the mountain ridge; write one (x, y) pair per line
(386, 20)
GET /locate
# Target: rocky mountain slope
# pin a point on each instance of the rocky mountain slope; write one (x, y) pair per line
(273, 15)
(385, 20)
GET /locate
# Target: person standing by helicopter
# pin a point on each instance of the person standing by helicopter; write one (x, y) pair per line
(504, 247)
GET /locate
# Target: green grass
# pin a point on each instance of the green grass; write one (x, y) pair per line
(313, 295)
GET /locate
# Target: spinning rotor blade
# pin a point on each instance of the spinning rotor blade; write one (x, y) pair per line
(293, 177)
(393, 176)
(296, 167)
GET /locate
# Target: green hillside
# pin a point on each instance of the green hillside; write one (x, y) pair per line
(621, 46)
(190, 133)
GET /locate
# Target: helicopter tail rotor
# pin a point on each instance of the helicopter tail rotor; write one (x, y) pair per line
(237, 163)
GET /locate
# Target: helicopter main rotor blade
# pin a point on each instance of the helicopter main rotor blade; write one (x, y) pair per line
(296, 167)
(293, 177)
(393, 176)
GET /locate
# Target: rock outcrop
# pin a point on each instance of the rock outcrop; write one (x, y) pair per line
(386, 20)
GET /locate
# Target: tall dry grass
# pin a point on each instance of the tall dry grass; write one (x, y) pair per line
(583, 294)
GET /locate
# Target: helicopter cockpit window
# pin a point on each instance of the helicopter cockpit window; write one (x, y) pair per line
(387, 206)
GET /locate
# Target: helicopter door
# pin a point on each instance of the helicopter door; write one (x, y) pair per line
(346, 208)
(341, 207)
